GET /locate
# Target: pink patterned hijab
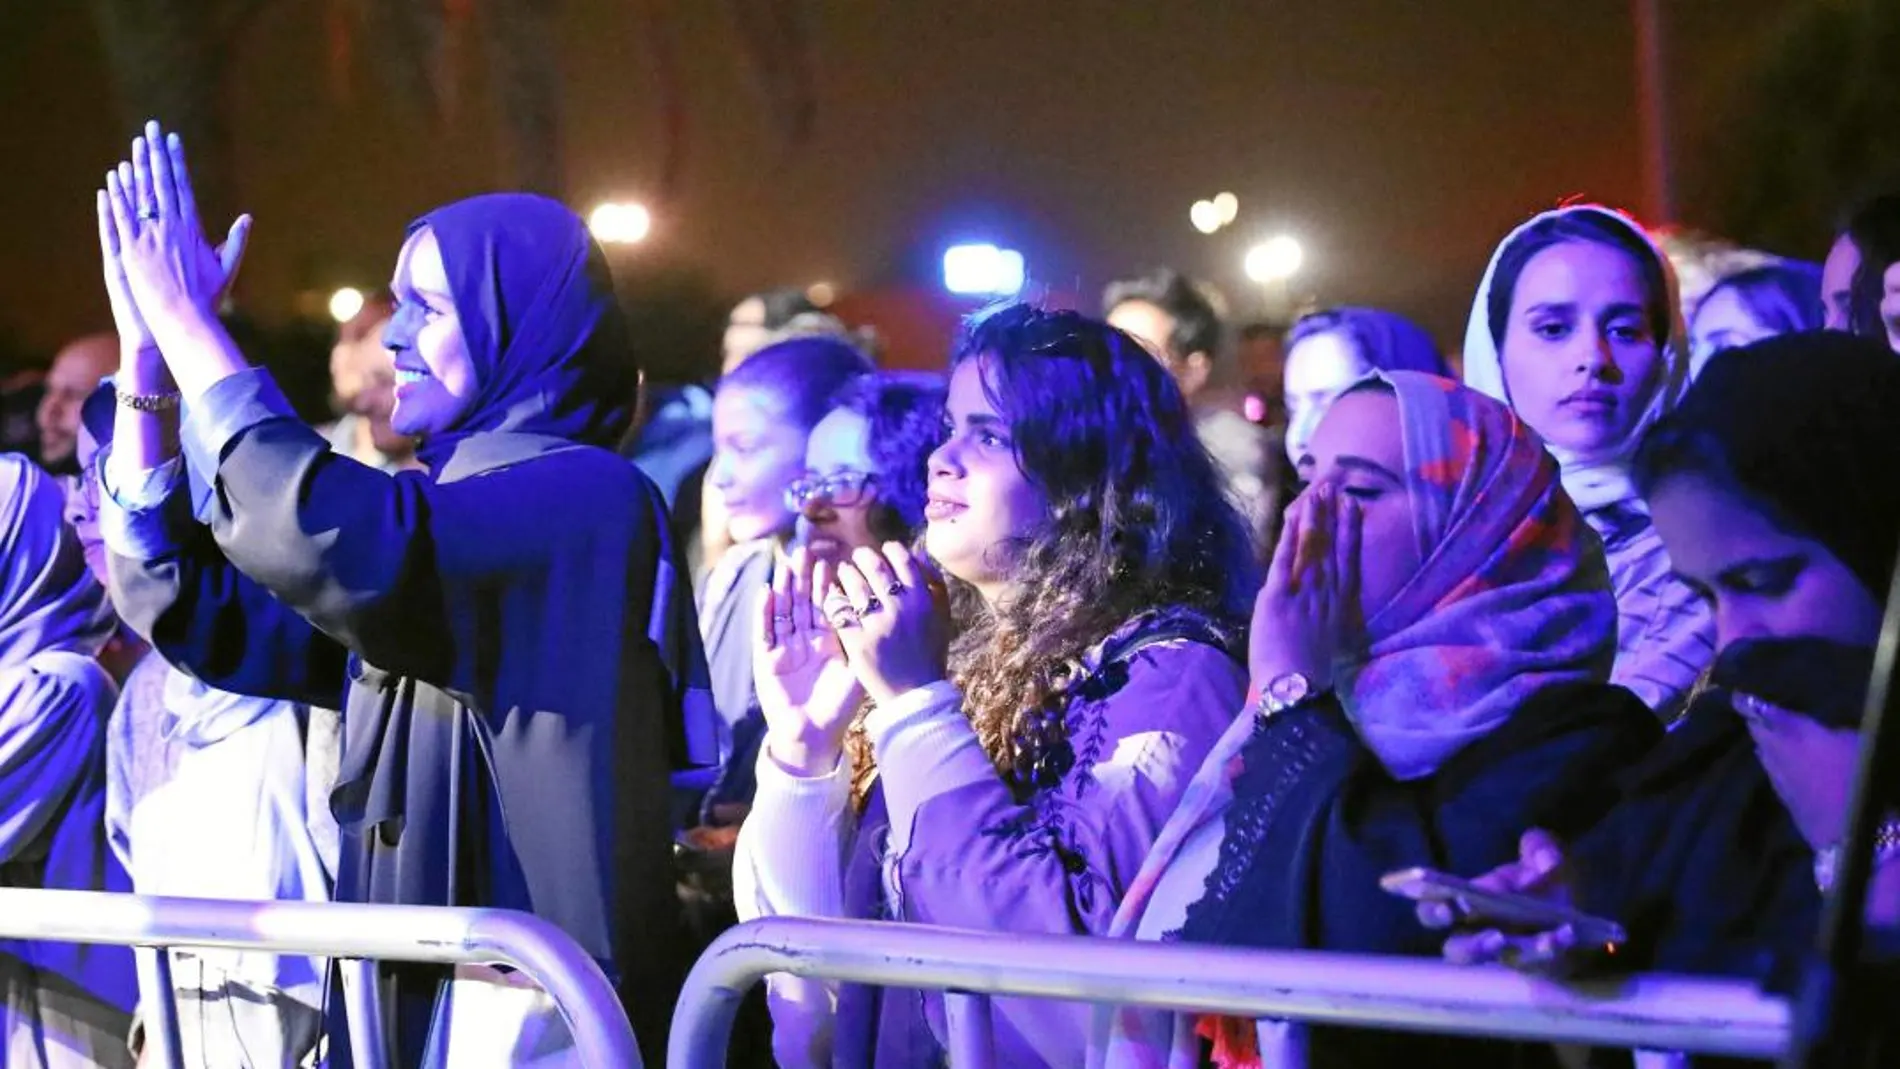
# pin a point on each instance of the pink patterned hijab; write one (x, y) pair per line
(1513, 594)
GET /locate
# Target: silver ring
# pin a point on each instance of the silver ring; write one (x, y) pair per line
(148, 214)
(896, 589)
(871, 605)
(781, 617)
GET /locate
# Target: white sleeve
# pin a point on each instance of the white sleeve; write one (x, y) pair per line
(789, 862)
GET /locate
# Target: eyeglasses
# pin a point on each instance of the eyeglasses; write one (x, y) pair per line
(841, 489)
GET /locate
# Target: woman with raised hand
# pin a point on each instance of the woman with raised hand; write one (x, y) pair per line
(1578, 328)
(1430, 656)
(1028, 734)
(867, 465)
(499, 620)
(764, 410)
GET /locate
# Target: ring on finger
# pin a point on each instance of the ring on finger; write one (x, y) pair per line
(871, 605)
(895, 590)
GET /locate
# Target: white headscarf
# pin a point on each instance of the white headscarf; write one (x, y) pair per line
(1600, 477)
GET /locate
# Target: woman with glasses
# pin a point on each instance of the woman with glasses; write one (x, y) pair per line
(865, 466)
(763, 412)
(1032, 730)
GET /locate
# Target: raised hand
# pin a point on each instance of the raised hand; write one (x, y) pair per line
(134, 335)
(171, 270)
(806, 690)
(890, 611)
(1311, 594)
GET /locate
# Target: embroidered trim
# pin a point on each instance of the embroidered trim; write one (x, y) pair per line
(1273, 762)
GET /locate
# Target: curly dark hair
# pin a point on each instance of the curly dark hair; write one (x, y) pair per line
(1138, 519)
(905, 413)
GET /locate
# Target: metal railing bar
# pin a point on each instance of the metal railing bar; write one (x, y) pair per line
(1647, 1011)
(972, 1029)
(164, 1045)
(432, 934)
(363, 1007)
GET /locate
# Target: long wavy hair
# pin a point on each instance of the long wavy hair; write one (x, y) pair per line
(1137, 520)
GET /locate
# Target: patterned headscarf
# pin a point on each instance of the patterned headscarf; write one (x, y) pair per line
(1511, 595)
(1601, 477)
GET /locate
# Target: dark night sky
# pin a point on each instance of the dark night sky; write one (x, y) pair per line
(1398, 140)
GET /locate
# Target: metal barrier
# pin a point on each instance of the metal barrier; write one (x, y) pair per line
(1649, 1011)
(351, 934)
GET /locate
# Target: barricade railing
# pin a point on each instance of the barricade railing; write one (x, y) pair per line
(353, 935)
(1645, 1012)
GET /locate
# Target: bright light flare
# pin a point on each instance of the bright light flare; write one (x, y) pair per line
(1227, 207)
(1275, 260)
(616, 223)
(983, 271)
(1205, 215)
(346, 303)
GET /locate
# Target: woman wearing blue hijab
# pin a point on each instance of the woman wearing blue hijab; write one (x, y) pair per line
(509, 623)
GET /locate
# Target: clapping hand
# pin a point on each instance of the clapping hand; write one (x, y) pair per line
(160, 269)
(806, 690)
(891, 614)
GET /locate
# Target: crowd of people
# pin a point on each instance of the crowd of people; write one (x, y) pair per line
(1066, 639)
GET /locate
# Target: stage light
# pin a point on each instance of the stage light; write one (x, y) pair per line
(1275, 260)
(345, 304)
(617, 223)
(983, 271)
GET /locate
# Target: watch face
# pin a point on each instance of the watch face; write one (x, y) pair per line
(1289, 689)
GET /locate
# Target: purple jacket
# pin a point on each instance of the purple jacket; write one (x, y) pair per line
(946, 840)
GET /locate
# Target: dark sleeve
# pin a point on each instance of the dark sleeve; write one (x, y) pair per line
(1553, 765)
(372, 559)
(1700, 861)
(173, 585)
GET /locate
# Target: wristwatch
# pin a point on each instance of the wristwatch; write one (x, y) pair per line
(1284, 692)
(1827, 860)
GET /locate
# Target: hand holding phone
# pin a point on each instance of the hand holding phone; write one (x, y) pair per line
(1503, 909)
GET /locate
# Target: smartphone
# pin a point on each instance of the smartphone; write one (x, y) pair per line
(1507, 908)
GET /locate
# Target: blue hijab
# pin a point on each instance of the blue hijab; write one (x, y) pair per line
(550, 347)
(554, 367)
